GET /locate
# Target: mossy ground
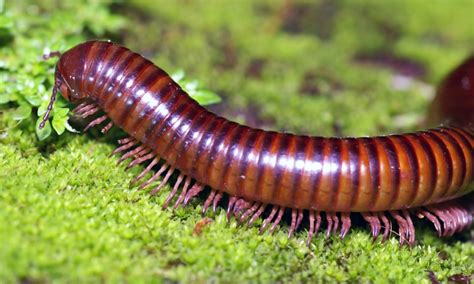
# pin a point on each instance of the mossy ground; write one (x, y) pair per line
(68, 214)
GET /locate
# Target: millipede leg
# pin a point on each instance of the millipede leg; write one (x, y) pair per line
(410, 228)
(249, 212)
(240, 206)
(455, 222)
(374, 223)
(299, 219)
(208, 201)
(83, 107)
(195, 190)
(318, 222)
(124, 147)
(79, 107)
(130, 153)
(163, 182)
(449, 222)
(163, 168)
(439, 212)
(278, 219)
(346, 224)
(257, 214)
(330, 223)
(95, 122)
(422, 213)
(173, 192)
(335, 219)
(140, 160)
(107, 127)
(187, 183)
(142, 153)
(125, 140)
(230, 206)
(145, 171)
(377, 225)
(89, 112)
(458, 222)
(402, 226)
(216, 200)
(269, 219)
(459, 217)
(468, 216)
(465, 219)
(314, 225)
(293, 226)
(387, 226)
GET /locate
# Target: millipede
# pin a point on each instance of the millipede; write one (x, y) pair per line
(322, 181)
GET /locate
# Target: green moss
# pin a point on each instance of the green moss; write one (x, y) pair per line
(67, 212)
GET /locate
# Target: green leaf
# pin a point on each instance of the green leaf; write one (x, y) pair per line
(22, 112)
(61, 111)
(61, 102)
(33, 96)
(44, 132)
(42, 108)
(5, 98)
(59, 124)
(34, 100)
(205, 97)
(178, 75)
(190, 86)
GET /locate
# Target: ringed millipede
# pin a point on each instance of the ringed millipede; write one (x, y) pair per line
(428, 174)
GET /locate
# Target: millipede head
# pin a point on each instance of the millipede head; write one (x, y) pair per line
(69, 70)
(67, 75)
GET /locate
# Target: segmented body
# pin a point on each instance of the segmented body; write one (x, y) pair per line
(333, 175)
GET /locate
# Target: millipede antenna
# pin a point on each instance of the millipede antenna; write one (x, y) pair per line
(47, 56)
(50, 107)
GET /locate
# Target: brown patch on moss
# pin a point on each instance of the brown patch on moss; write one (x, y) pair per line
(308, 17)
(311, 83)
(399, 65)
(200, 225)
(225, 45)
(255, 68)
(31, 280)
(443, 255)
(173, 263)
(337, 129)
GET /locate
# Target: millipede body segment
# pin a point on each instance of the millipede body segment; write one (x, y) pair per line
(428, 174)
